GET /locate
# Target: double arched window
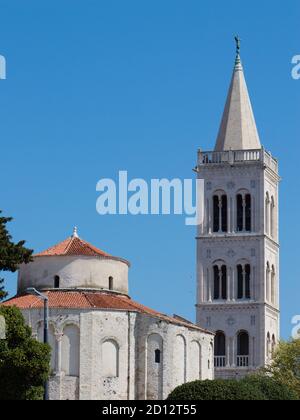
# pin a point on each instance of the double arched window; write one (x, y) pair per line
(243, 212)
(220, 281)
(220, 212)
(271, 284)
(243, 281)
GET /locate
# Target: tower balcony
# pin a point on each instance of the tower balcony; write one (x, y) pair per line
(236, 157)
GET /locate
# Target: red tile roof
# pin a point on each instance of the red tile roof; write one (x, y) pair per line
(91, 300)
(76, 246)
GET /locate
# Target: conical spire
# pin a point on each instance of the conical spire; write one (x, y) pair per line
(238, 128)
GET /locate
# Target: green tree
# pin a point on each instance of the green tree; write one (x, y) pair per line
(285, 366)
(24, 362)
(11, 254)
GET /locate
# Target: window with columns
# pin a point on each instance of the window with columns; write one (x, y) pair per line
(220, 282)
(220, 213)
(243, 212)
(243, 281)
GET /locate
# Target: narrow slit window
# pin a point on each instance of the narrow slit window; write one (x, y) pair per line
(111, 283)
(56, 282)
(157, 355)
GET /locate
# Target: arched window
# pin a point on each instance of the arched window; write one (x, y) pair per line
(272, 217)
(243, 349)
(195, 361)
(243, 279)
(56, 282)
(70, 350)
(220, 213)
(111, 283)
(220, 282)
(267, 214)
(243, 212)
(273, 285)
(181, 362)
(220, 349)
(268, 288)
(51, 340)
(110, 359)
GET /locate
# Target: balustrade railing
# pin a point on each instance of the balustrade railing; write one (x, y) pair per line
(237, 156)
(220, 361)
(242, 361)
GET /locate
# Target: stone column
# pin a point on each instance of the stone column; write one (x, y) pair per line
(58, 366)
(234, 352)
(228, 352)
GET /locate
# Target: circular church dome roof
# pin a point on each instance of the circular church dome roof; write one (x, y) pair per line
(75, 246)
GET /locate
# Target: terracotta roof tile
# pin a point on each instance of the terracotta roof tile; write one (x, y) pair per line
(76, 246)
(73, 246)
(91, 300)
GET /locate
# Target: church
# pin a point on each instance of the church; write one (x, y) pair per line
(106, 346)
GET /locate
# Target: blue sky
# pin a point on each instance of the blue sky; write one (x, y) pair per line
(94, 87)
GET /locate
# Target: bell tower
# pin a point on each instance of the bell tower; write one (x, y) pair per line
(238, 241)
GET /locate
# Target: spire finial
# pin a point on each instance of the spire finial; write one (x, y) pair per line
(238, 44)
(75, 232)
(238, 63)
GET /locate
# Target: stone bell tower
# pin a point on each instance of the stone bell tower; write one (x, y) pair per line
(238, 241)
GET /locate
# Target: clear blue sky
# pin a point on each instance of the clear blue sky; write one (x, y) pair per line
(94, 87)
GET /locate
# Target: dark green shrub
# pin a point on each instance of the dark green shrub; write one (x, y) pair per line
(252, 388)
(272, 389)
